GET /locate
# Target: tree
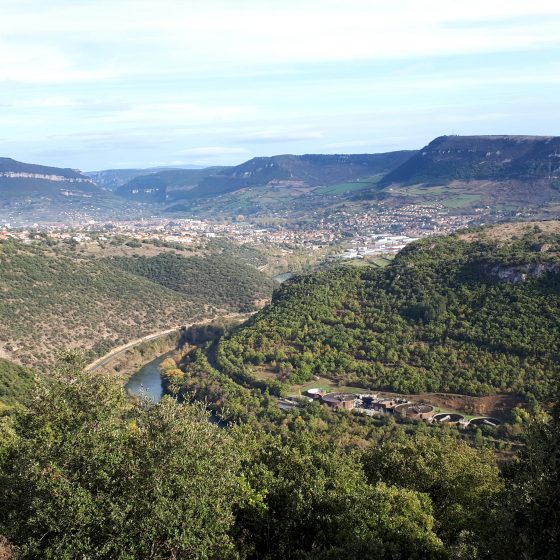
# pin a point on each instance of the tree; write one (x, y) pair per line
(87, 474)
(531, 526)
(317, 504)
(464, 484)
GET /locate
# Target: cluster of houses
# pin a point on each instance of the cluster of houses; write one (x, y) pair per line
(375, 405)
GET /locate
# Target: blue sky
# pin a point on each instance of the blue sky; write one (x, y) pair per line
(97, 84)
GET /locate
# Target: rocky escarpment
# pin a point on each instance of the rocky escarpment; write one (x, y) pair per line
(12, 169)
(488, 158)
(44, 177)
(515, 274)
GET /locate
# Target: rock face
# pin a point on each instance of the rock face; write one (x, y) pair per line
(44, 177)
(491, 158)
(12, 169)
(520, 273)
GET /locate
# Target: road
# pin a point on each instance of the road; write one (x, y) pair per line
(120, 349)
(96, 364)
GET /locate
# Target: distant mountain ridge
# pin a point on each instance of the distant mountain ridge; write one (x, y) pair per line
(114, 178)
(309, 170)
(449, 158)
(499, 175)
(12, 169)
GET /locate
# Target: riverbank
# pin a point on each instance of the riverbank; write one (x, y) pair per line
(127, 359)
(102, 361)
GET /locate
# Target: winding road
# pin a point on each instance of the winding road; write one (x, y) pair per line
(100, 362)
(120, 349)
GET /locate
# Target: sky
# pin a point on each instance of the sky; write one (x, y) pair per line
(102, 84)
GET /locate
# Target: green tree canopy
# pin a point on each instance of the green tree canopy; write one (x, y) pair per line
(317, 504)
(463, 483)
(86, 474)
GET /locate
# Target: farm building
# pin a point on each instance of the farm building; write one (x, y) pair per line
(337, 401)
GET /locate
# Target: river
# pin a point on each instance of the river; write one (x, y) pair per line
(147, 380)
(280, 278)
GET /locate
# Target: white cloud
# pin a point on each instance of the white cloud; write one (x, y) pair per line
(173, 114)
(211, 151)
(282, 135)
(44, 63)
(66, 41)
(205, 80)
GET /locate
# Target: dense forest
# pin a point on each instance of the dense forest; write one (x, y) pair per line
(473, 316)
(57, 295)
(201, 278)
(87, 473)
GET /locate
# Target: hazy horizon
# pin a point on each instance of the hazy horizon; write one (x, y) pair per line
(99, 85)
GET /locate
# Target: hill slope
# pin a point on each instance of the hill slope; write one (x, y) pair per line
(219, 279)
(309, 170)
(37, 192)
(286, 171)
(497, 158)
(53, 298)
(447, 315)
(112, 179)
(11, 168)
(166, 185)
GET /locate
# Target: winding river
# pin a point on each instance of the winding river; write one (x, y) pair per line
(147, 380)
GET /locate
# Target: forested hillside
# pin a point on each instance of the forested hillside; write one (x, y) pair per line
(87, 473)
(202, 278)
(55, 297)
(474, 316)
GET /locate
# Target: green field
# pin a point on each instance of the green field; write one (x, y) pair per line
(460, 201)
(377, 261)
(358, 263)
(344, 188)
(421, 190)
(382, 261)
